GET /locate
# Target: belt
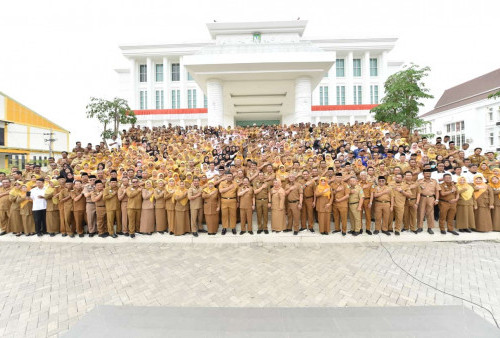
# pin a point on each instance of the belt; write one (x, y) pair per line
(293, 201)
(382, 201)
(262, 199)
(428, 195)
(354, 202)
(411, 199)
(90, 202)
(309, 196)
(229, 198)
(444, 201)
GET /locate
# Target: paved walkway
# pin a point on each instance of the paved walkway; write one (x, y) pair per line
(46, 287)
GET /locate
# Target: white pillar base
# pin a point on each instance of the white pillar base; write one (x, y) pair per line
(215, 103)
(302, 100)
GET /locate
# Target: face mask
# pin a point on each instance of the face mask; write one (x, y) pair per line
(433, 166)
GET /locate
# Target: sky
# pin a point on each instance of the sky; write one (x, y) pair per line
(56, 54)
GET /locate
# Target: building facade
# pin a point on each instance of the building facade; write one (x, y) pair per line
(467, 115)
(256, 72)
(25, 136)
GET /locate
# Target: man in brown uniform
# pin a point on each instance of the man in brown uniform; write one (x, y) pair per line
(400, 192)
(113, 208)
(261, 192)
(307, 211)
(383, 198)
(100, 208)
(134, 205)
(227, 191)
(411, 204)
(429, 197)
(294, 197)
(448, 198)
(88, 189)
(367, 186)
(356, 197)
(340, 192)
(67, 208)
(247, 205)
(4, 206)
(79, 202)
(123, 198)
(196, 206)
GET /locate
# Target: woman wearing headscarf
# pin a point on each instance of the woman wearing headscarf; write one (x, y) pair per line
(26, 211)
(483, 194)
(170, 205)
(52, 213)
(278, 220)
(211, 207)
(485, 170)
(15, 220)
(323, 202)
(465, 206)
(495, 214)
(160, 211)
(148, 209)
(182, 225)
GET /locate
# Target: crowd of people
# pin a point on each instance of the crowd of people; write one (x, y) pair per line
(362, 178)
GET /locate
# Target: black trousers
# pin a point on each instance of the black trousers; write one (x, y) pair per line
(40, 224)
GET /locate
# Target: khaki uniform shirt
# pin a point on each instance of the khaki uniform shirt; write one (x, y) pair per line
(197, 203)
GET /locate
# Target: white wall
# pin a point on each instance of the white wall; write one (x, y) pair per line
(17, 136)
(2, 107)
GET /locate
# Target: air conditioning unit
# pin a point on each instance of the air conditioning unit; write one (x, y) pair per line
(469, 140)
(498, 123)
(439, 132)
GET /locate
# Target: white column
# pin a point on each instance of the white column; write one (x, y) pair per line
(150, 78)
(332, 86)
(134, 79)
(349, 79)
(215, 102)
(183, 79)
(382, 74)
(302, 99)
(365, 72)
(166, 83)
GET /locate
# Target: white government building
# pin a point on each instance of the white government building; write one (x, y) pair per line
(466, 114)
(256, 72)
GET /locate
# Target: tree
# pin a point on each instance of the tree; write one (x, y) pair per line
(401, 103)
(110, 114)
(494, 96)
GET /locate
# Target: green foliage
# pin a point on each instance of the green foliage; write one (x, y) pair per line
(494, 96)
(401, 103)
(110, 114)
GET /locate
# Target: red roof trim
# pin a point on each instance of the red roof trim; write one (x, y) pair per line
(170, 111)
(344, 107)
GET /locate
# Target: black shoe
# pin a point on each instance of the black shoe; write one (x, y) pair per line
(355, 233)
(81, 235)
(343, 234)
(453, 232)
(324, 233)
(443, 232)
(266, 232)
(250, 232)
(195, 234)
(114, 236)
(161, 232)
(461, 230)
(335, 231)
(302, 229)
(121, 233)
(467, 230)
(3, 233)
(369, 232)
(132, 235)
(233, 231)
(52, 234)
(430, 231)
(126, 234)
(295, 233)
(415, 232)
(18, 235)
(101, 235)
(388, 233)
(420, 230)
(242, 232)
(64, 235)
(376, 232)
(350, 232)
(396, 233)
(224, 230)
(360, 232)
(202, 231)
(311, 230)
(259, 231)
(287, 230)
(39, 235)
(72, 235)
(403, 230)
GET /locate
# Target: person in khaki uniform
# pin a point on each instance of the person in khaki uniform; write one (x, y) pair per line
(227, 191)
(170, 205)
(134, 206)
(211, 207)
(367, 186)
(411, 204)
(355, 202)
(429, 197)
(400, 192)
(246, 202)
(100, 208)
(307, 211)
(160, 211)
(294, 198)
(52, 209)
(123, 198)
(340, 192)
(262, 198)
(66, 202)
(113, 207)
(79, 203)
(196, 206)
(448, 198)
(90, 208)
(323, 201)
(4, 206)
(383, 198)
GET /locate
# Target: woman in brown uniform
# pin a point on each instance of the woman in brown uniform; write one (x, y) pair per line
(182, 225)
(148, 209)
(483, 195)
(495, 186)
(160, 212)
(323, 203)
(278, 216)
(15, 220)
(26, 211)
(170, 205)
(211, 207)
(52, 216)
(465, 206)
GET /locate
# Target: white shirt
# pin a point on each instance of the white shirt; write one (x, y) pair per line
(209, 173)
(438, 176)
(38, 203)
(470, 176)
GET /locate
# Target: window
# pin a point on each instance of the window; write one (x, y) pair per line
(340, 68)
(176, 99)
(190, 78)
(357, 94)
(373, 67)
(159, 73)
(143, 94)
(159, 99)
(492, 139)
(143, 73)
(205, 101)
(374, 94)
(340, 95)
(2, 136)
(457, 132)
(356, 67)
(191, 98)
(323, 96)
(490, 114)
(176, 72)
